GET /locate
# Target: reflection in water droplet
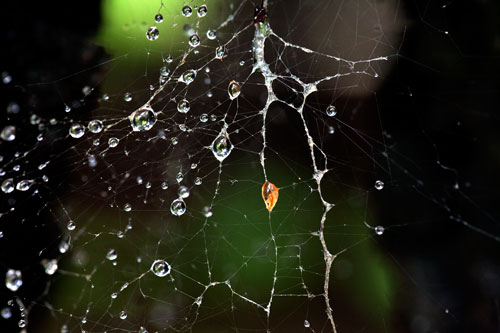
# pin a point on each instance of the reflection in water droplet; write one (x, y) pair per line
(221, 146)
(152, 33)
(143, 119)
(13, 279)
(160, 268)
(178, 207)
(233, 89)
(76, 130)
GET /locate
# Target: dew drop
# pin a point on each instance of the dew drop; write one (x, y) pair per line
(35, 119)
(13, 279)
(8, 185)
(111, 254)
(21, 323)
(158, 18)
(188, 76)
(127, 207)
(306, 323)
(67, 108)
(63, 247)
(183, 192)
(202, 11)
(187, 11)
(331, 110)
(233, 89)
(6, 78)
(76, 130)
(211, 34)
(183, 106)
(178, 207)
(164, 185)
(220, 52)
(50, 266)
(164, 71)
(113, 142)
(197, 181)
(143, 119)
(207, 211)
(379, 230)
(95, 126)
(8, 133)
(71, 225)
(379, 185)
(152, 33)
(114, 295)
(222, 146)
(24, 185)
(6, 313)
(160, 268)
(204, 117)
(123, 315)
(331, 130)
(194, 40)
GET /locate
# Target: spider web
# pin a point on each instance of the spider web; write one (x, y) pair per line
(142, 196)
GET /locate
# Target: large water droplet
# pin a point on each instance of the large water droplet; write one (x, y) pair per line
(152, 33)
(188, 76)
(160, 268)
(158, 18)
(178, 207)
(50, 266)
(233, 89)
(76, 130)
(331, 110)
(8, 185)
(183, 106)
(194, 40)
(13, 279)
(221, 146)
(95, 126)
(143, 119)
(187, 11)
(202, 11)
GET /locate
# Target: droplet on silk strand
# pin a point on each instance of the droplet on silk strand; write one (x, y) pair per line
(270, 195)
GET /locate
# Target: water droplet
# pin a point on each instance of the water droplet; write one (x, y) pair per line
(158, 18)
(6, 78)
(164, 71)
(194, 40)
(35, 119)
(6, 313)
(152, 33)
(67, 108)
(197, 181)
(183, 106)
(174, 141)
(207, 211)
(306, 323)
(63, 247)
(331, 130)
(127, 97)
(178, 207)
(379, 230)
(50, 266)
(95, 126)
(213, 117)
(76, 130)
(160, 268)
(143, 119)
(379, 185)
(24, 185)
(113, 142)
(169, 59)
(164, 185)
(114, 295)
(220, 52)
(111, 254)
(202, 11)
(331, 110)
(21, 323)
(8, 185)
(183, 192)
(233, 89)
(204, 117)
(13, 108)
(179, 177)
(188, 76)
(13, 279)
(221, 146)
(187, 11)
(92, 161)
(127, 207)
(8, 133)
(71, 225)
(211, 34)
(123, 315)
(143, 330)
